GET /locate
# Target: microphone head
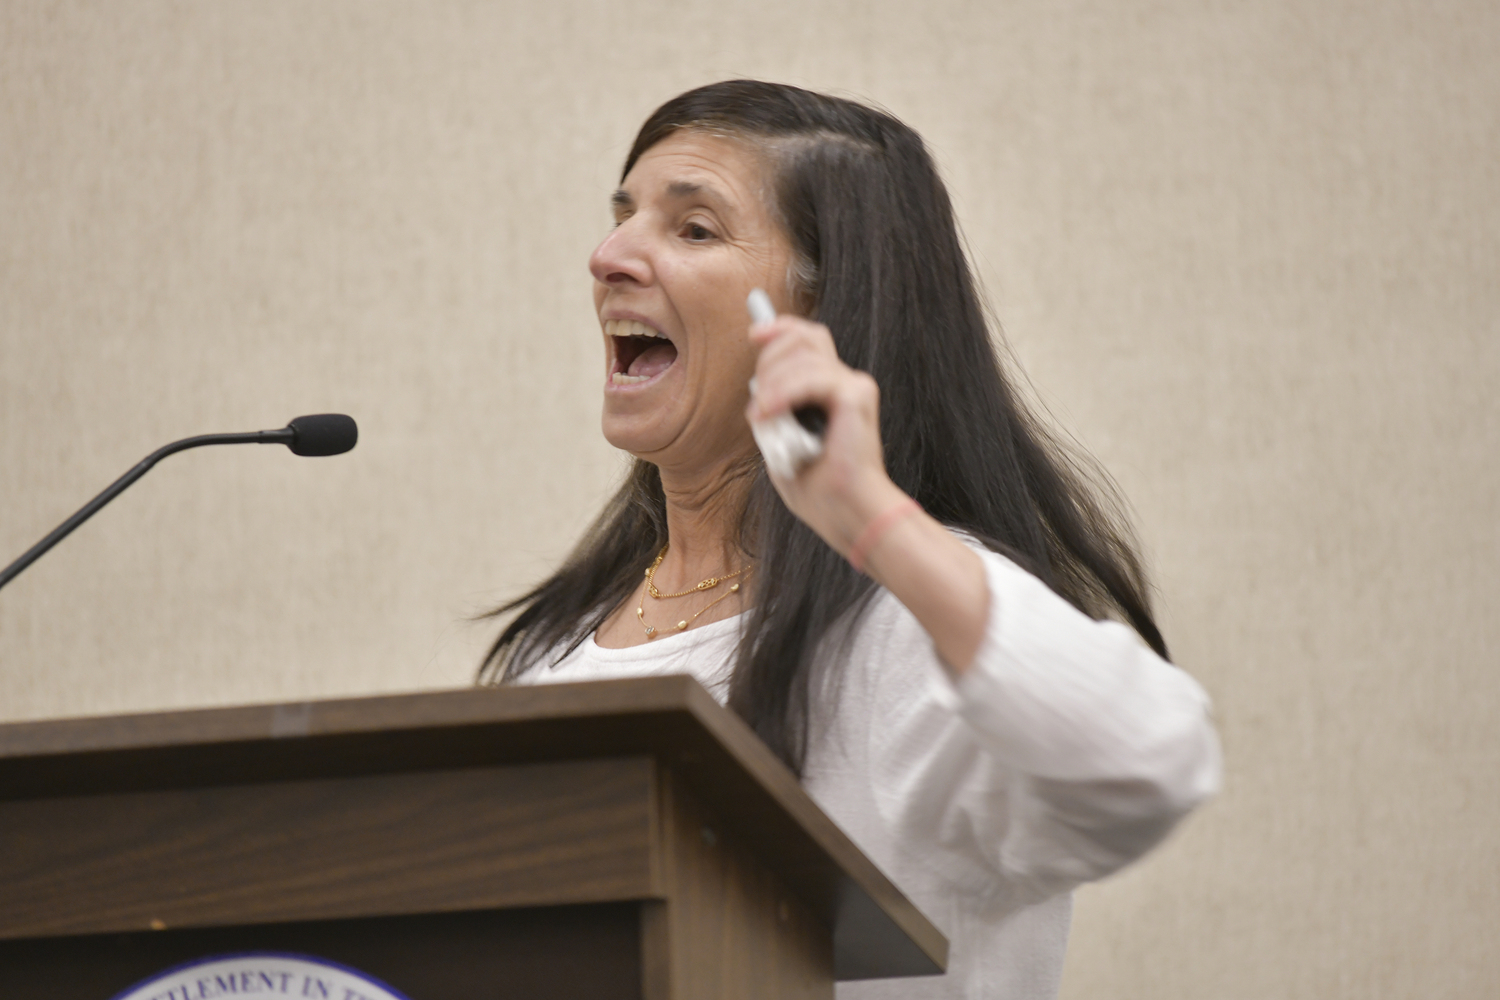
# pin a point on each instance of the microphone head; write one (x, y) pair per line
(323, 434)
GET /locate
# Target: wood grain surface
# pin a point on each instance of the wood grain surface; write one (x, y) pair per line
(730, 928)
(724, 766)
(577, 832)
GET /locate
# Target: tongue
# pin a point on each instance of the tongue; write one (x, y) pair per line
(653, 360)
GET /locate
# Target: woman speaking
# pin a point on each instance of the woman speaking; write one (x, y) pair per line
(937, 623)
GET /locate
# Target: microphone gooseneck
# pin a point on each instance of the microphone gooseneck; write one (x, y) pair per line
(313, 436)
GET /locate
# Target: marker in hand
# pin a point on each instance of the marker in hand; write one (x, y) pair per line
(785, 444)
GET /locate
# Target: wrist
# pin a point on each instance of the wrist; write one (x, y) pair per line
(896, 509)
(860, 502)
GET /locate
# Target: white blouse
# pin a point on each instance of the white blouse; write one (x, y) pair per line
(1066, 751)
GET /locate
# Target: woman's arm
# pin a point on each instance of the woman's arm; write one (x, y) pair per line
(847, 498)
(1094, 746)
(1099, 745)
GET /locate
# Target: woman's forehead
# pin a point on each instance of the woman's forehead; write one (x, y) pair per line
(691, 165)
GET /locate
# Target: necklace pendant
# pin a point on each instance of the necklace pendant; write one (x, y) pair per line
(681, 626)
(640, 614)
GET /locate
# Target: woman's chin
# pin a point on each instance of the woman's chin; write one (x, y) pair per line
(640, 430)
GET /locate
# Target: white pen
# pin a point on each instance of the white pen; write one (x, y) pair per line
(784, 443)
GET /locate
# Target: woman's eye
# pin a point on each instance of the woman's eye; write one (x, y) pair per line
(697, 233)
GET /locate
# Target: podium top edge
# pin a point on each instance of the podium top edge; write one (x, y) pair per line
(352, 716)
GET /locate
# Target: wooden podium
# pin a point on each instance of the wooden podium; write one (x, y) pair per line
(616, 839)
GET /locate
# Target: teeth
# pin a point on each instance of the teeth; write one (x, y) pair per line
(620, 378)
(630, 328)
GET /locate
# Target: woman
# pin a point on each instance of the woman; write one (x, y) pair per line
(919, 623)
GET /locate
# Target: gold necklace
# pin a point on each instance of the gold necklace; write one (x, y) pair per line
(709, 584)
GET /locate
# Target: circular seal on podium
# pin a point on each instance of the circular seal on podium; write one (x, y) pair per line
(261, 974)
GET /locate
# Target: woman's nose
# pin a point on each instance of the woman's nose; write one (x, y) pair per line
(620, 259)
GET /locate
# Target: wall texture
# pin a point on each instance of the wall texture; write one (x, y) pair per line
(1247, 254)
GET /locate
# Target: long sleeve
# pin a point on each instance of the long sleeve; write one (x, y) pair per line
(1067, 750)
(1064, 753)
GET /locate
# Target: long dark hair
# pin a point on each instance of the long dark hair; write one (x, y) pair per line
(879, 261)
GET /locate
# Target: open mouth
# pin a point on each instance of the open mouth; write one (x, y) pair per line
(640, 353)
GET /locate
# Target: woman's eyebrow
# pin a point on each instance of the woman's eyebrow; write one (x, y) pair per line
(686, 189)
(683, 190)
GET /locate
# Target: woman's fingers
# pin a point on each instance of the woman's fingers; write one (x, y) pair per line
(792, 382)
(801, 381)
(798, 365)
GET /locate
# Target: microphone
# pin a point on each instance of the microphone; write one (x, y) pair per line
(314, 436)
(320, 434)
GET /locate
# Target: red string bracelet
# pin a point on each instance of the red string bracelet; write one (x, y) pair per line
(877, 527)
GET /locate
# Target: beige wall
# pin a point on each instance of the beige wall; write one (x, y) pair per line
(1247, 253)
